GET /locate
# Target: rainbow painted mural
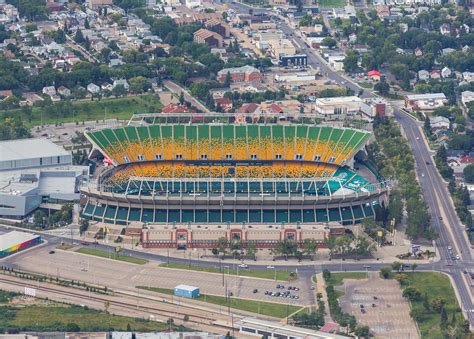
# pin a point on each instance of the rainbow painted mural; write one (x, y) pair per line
(20, 247)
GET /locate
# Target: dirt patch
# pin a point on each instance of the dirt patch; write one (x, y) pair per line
(24, 300)
(378, 303)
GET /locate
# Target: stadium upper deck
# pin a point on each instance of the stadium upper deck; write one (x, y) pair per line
(188, 169)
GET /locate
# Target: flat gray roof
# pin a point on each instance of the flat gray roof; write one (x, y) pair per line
(13, 238)
(20, 149)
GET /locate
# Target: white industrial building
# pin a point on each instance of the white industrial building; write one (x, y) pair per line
(36, 171)
(342, 105)
(295, 77)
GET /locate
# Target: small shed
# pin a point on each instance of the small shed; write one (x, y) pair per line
(186, 291)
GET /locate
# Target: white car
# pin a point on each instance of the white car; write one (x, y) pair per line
(244, 266)
(270, 267)
(417, 138)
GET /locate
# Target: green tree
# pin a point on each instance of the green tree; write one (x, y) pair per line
(426, 303)
(251, 250)
(79, 37)
(386, 272)
(329, 42)
(310, 246)
(412, 293)
(119, 91)
(362, 331)
(382, 87)
(443, 318)
(468, 172)
(222, 245)
(351, 61)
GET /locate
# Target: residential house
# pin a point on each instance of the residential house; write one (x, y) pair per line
(177, 108)
(418, 52)
(225, 104)
(122, 82)
(445, 29)
(93, 88)
(49, 90)
(435, 74)
(374, 75)
(64, 91)
(467, 97)
(31, 98)
(446, 51)
(439, 122)
(5, 94)
(446, 72)
(248, 108)
(106, 86)
(95, 4)
(423, 75)
(468, 76)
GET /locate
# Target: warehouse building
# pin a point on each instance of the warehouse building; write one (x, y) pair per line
(14, 242)
(36, 171)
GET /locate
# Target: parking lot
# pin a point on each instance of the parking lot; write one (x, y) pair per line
(119, 275)
(378, 303)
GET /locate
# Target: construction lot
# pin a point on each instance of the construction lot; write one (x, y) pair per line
(378, 303)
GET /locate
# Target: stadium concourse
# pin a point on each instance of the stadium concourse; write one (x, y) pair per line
(172, 169)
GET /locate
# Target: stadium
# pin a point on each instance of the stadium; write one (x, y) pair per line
(184, 170)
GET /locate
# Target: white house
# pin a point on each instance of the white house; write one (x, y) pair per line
(49, 90)
(467, 97)
(93, 88)
(64, 91)
(336, 62)
(446, 72)
(439, 122)
(423, 75)
(468, 76)
(122, 82)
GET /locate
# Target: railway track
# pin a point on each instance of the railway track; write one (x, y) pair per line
(166, 314)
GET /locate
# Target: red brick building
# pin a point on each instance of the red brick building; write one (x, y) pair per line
(240, 74)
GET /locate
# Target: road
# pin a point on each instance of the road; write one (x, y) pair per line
(443, 214)
(175, 88)
(75, 46)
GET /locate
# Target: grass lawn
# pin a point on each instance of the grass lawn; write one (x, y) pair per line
(65, 246)
(114, 256)
(260, 307)
(60, 318)
(264, 274)
(332, 3)
(365, 85)
(120, 108)
(338, 277)
(434, 285)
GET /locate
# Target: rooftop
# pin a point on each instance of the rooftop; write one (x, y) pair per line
(13, 238)
(337, 100)
(29, 149)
